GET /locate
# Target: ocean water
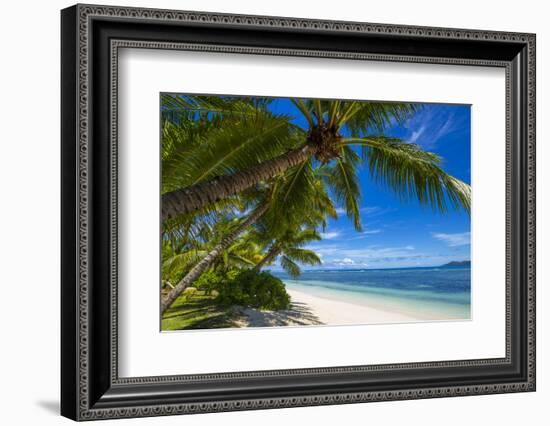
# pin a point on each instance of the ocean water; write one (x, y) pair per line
(436, 293)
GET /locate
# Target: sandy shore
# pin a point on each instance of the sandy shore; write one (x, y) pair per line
(307, 309)
(335, 312)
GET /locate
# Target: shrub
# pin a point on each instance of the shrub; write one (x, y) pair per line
(255, 289)
(213, 280)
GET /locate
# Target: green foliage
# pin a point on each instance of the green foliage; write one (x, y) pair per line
(298, 197)
(288, 246)
(183, 108)
(361, 118)
(292, 256)
(257, 290)
(219, 137)
(343, 179)
(173, 266)
(214, 280)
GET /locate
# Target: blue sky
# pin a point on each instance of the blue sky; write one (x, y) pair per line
(403, 234)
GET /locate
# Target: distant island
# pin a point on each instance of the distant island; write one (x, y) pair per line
(457, 263)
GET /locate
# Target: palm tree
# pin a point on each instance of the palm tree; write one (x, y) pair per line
(405, 168)
(290, 247)
(205, 263)
(181, 249)
(244, 252)
(176, 259)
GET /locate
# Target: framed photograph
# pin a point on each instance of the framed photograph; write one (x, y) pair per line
(263, 212)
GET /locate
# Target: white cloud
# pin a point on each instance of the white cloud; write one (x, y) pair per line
(375, 211)
(453, 240)
(448, 127)
(367, 210)
(365, 234)
(416, 134)
(341, 254)
(371, 231)
(370, 209)
(428, 126)
(330, 235)
(344, 262)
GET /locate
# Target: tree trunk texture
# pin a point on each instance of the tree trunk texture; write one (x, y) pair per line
(205, 263)
(272, 254)
(187, 200)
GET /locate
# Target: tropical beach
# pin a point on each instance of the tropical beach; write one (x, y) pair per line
(309, 212)
(315, 302)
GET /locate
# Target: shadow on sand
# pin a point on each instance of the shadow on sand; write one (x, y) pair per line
(298, 314)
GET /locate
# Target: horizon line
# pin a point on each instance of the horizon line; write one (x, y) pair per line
(371, 268)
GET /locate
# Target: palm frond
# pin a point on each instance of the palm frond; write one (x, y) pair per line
(412, 173)
(184, 108)
(224, 149)
(198, 225)
(241, 260)
(292, 199)
(318, 110)
(181, 261)
(290, 267)
(343, 180)
(304, 256)
(347, 108)
(362, 118)
(306, 112)
(304, 236)
(333, 107)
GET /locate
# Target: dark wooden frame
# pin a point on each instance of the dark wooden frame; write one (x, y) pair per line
(90, 386)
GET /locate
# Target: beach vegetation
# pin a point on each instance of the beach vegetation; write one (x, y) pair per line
(251, 288)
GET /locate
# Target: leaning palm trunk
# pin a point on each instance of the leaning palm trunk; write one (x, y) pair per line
(207, 261)
(272, 254)
(192, 198)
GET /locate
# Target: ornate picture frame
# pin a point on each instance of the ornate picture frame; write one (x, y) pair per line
(91, 37)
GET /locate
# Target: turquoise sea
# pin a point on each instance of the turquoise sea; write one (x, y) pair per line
(431, 293)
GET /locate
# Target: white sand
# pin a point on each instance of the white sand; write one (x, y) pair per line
(335, 312)
(307, 309)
